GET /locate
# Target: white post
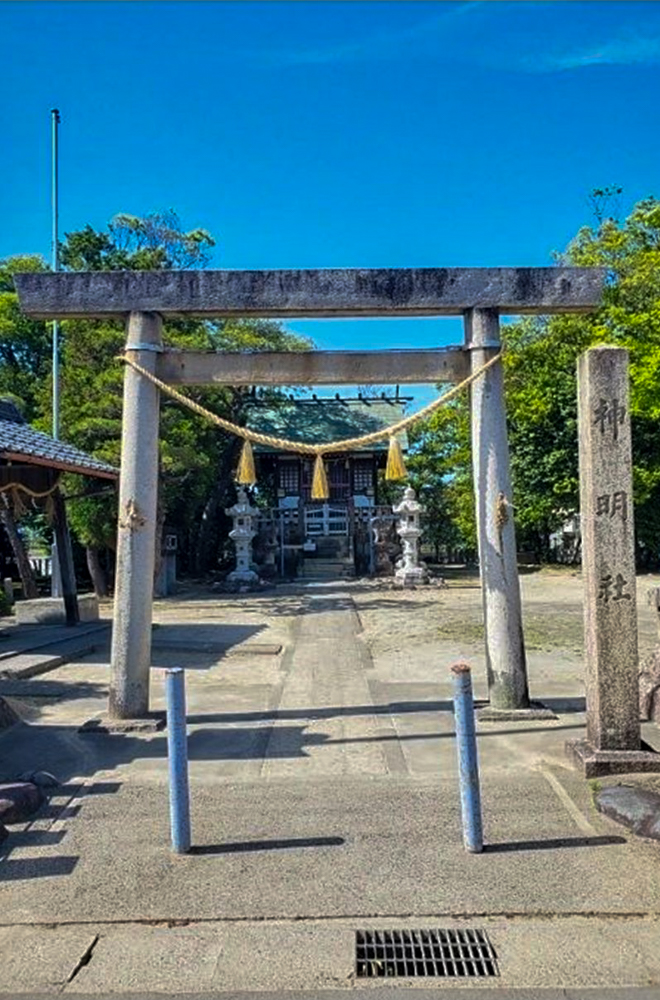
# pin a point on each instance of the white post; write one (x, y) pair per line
(505, 648)
(136, 534)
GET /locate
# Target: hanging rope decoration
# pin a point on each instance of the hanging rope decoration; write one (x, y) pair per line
(20, 507)
(246, 473)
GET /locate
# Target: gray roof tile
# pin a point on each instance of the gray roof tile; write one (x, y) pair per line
(325, 419)
(20, 441)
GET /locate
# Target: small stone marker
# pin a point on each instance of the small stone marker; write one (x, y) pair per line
(613, 741)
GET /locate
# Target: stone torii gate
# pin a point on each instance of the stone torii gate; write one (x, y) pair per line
(480, 295)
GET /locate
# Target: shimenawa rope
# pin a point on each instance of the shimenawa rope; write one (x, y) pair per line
(246, 473)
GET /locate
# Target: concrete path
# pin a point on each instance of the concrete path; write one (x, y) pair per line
(396, 993)
(324, 801)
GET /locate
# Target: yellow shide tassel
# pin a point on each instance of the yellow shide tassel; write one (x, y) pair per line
(320, 490)
(396, 468)
(246, 474)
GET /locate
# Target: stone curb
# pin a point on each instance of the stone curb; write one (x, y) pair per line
(638, 809)
(80, 634)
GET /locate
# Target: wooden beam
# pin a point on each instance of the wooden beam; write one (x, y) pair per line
(65, 560)
(313, 367)
(51, 463)
(422, 291)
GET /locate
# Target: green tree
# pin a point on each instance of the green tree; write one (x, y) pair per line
(541, 393)
(25, 360)
(151, 243)
(439, 471)
(196, 461)
(541, 386)
(25, 344)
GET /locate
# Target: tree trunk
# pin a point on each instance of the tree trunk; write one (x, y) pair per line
(96, 571)
(160, 523)
(18, 548)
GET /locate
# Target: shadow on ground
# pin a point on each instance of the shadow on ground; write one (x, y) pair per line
(249, 846)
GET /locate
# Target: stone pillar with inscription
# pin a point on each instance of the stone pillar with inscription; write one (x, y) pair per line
(613, 743)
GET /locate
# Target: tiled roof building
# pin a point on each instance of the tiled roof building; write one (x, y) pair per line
(20, 443)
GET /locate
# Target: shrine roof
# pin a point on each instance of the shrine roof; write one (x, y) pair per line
(21, 443)
(325, 419)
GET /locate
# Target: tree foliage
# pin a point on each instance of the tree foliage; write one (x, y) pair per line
(25, 344)
(541, 393)
(541, 383)
(196, 460)
(152, 243)
(439, 468)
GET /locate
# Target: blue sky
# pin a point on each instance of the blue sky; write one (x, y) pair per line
(332, 134)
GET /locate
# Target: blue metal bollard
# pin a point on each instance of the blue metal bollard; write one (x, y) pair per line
(468, 765)
(177, 752)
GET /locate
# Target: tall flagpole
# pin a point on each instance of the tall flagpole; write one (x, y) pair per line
(55, 262)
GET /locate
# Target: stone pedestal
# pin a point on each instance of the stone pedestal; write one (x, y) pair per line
(242, 534)
(613, 743)
(409, 571)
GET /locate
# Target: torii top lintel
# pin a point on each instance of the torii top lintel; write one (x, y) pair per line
(424, 291)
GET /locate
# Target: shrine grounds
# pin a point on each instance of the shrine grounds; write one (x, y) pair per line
(324, 800)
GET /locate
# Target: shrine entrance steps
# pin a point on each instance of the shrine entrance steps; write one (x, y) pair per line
(328, 569)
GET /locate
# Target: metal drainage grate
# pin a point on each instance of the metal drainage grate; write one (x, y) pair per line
(460, 953)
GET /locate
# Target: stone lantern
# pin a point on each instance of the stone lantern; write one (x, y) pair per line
(242, 534)
(409, 571)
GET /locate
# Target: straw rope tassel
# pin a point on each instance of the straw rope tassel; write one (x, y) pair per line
(396, 467)
(246, 474)
(320, 490)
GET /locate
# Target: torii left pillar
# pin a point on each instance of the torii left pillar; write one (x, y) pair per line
(136, 534)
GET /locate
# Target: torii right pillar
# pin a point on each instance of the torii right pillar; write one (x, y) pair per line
(613, 744)
(506, 667)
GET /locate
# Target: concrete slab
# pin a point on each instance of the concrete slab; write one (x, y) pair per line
(162, 959)
(404, 993)
(332, 847)
(565, 955)
(39, 959)
(324, 796)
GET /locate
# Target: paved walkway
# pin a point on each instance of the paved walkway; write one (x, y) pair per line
(324, 801)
